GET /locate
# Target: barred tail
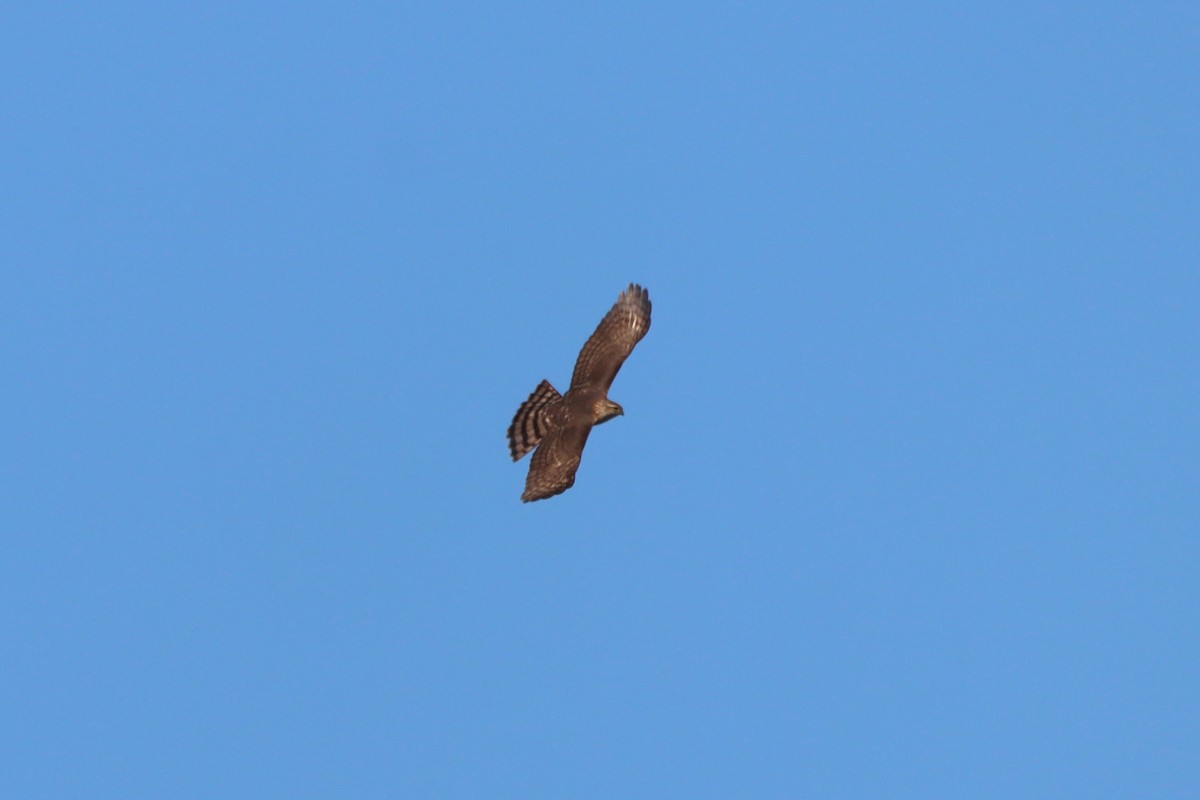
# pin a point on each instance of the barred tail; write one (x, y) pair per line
(530, 424)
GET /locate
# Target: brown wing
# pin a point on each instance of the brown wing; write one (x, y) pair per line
(552, 468)
(606, 350)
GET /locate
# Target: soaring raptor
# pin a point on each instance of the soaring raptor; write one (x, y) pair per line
(558, 424)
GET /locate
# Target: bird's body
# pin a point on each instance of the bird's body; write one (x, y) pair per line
(558, 425)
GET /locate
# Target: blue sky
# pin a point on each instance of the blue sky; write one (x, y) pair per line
(904, 503)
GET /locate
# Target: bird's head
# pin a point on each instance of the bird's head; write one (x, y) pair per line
(606, 409)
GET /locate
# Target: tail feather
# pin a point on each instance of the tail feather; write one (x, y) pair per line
(530, 424)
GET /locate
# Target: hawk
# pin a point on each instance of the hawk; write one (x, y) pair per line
(558, 424)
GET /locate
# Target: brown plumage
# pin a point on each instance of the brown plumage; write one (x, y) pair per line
(558, 424)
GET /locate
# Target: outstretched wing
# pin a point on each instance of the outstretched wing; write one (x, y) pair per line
(552, 468)
(606, 350)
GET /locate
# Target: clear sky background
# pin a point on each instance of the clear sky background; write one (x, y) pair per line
(905, 503)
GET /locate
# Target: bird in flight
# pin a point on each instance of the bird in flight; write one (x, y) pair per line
(558, 424)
